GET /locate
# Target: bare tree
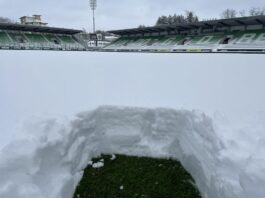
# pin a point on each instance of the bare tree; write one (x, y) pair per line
(5, 20)
(228, 14)
(242, 13)
(141, 26)
(257, 11)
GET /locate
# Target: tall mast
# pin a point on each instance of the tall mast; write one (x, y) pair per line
(93, 6)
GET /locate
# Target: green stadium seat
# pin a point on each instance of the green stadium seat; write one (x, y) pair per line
(4, 38)
(36, 38)
(18, 37)
(67, 39)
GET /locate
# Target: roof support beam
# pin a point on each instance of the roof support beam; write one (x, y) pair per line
(195, 26)
(224, 24)
(240, 22)
(180, 27)
(259, 21)
(208, 25)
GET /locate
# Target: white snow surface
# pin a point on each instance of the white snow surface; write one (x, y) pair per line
(98, 165)
(46, 143)
(113, 157)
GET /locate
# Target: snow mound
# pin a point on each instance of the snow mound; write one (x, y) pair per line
(48, 158)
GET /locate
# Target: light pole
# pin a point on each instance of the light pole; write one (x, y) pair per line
(93, 6)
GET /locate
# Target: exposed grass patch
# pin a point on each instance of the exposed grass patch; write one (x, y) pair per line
(131, 177)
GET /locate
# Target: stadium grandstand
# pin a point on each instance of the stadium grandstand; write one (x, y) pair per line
(35, 35)
(244, 34)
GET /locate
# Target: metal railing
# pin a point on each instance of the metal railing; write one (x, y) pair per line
(42, 46)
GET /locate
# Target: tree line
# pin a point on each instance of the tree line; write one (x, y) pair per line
(191, 17)
(232, 13)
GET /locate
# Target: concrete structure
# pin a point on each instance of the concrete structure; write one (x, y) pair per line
(34, 20)
(244, 34)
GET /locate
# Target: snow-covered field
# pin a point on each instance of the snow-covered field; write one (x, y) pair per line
(217, 129)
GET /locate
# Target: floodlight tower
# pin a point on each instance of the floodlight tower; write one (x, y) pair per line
(93, 6)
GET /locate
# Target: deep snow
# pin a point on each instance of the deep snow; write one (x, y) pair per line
(57, 154)
(41, 92)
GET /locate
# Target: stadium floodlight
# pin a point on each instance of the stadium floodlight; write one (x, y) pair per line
(93, 6)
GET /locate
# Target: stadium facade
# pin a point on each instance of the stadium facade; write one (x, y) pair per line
(244, 34)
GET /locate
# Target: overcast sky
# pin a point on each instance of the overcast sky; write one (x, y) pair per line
(116, 14)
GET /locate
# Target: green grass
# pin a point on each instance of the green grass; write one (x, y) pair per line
(139, 177)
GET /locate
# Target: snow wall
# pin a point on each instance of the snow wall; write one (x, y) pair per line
(54, 153)
(223, 151)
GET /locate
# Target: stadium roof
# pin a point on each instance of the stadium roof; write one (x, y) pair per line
(254, 20)
(34, 28)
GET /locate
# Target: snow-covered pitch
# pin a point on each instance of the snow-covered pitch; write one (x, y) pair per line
(46, 142)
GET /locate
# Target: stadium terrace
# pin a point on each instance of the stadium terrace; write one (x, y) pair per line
(37, 37)
(244, 34)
